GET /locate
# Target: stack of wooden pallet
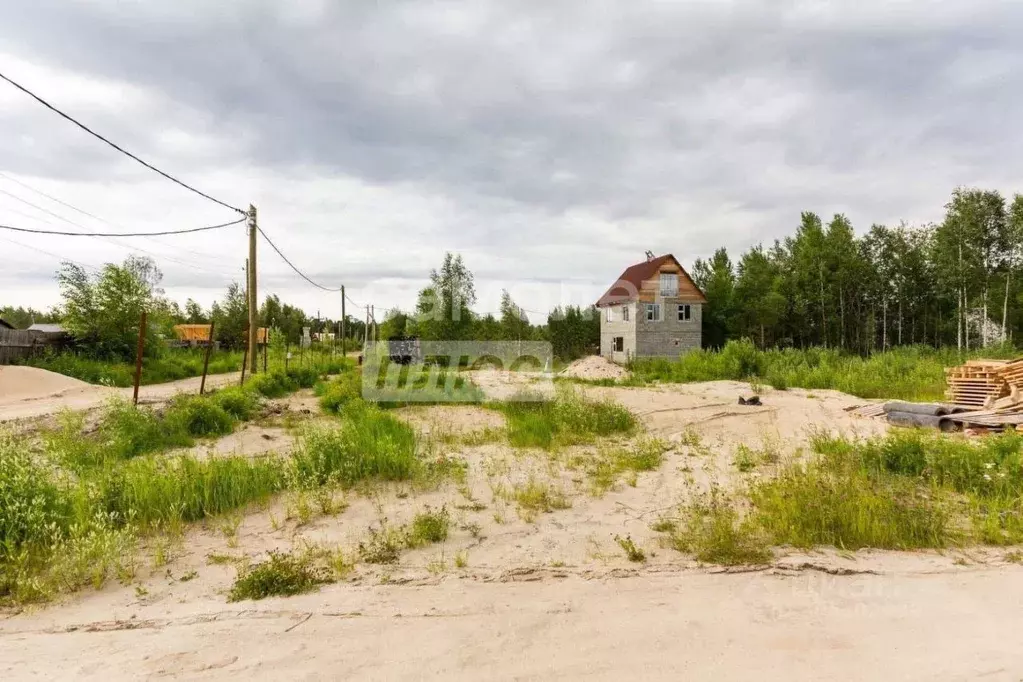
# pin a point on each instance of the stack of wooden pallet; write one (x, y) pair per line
(978, 383)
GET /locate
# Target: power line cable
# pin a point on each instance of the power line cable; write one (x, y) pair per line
(292, 265)
(94, 217)
(117, 147)
(119, 234)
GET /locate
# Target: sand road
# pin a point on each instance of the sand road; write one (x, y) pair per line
(29, 392)
(961, 625)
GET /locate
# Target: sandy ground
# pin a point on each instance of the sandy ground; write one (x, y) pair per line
(29, 392)
(541, 597)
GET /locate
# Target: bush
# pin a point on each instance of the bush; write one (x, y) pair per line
(281, 575)
(236, 401)
(199, 416)
(273, 384)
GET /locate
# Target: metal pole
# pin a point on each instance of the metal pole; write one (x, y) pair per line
(253, 313)
(206, 360)
(138, 358)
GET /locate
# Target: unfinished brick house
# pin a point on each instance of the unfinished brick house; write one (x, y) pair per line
(653, 310)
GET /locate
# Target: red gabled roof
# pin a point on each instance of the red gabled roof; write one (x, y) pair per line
(628, 284)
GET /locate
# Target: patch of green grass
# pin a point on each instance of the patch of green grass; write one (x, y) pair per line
(369, 444)
(429, 527)
(198, 416)
(826, 502)
(281, 575)
(535, 497)
(906, 373)
(401, 385)
(610, 462)
(151, 491)
(632, 552)
(237, 401)
(745, 460)
(568, 419)
(710, 529)
(385, 544)
(339, 392)
(171, 365)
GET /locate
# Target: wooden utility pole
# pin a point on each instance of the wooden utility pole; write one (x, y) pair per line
(253, 313)
(365, 333)
(206, 360)
(342, 320)
(138, 358)
(373, 316)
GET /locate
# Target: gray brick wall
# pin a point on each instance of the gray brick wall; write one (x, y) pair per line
(669, 337)
(618, 327)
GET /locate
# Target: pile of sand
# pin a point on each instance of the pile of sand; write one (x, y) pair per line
(594, 367)
(29, 383)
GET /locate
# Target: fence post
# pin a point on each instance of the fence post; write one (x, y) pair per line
(266, 348)
(206, 360)
(138, 358)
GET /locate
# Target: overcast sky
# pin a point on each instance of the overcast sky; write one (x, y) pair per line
(551, 143)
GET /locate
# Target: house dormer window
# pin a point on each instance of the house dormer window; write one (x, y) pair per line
(669, 284)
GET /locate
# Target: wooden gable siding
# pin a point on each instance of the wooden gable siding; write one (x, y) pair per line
(650, 289)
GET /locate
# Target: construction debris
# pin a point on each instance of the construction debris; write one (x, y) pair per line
(943, 423)
(977, 384)
(983, 395)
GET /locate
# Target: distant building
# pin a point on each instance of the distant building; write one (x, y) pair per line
(5, 324)
(46, 328)
(654, 309)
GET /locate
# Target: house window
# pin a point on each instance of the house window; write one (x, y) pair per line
(684, 312)
(610, 314)
(653, 312)
(669, 284)
(625, 313)
(619, 344)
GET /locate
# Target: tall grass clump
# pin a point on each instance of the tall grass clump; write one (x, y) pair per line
(153, 492)
(339, 392)
(836, 502)
(907, 373)
(126, 431)
(236, 401)
(569, 418)
(198, 416)
(370, 444)
(33, 512)
(713, 532)
(985, 475)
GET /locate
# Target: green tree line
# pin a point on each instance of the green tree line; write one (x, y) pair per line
(953, 283)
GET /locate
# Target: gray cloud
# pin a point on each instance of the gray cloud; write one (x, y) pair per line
(549, 140)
